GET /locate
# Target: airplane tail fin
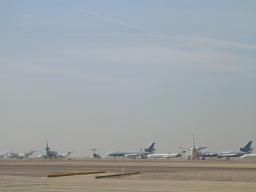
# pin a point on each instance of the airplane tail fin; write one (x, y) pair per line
(247, 147)
(151, 148)
(47, 148)
(193, 142)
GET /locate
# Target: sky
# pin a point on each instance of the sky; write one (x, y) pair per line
(117, 75)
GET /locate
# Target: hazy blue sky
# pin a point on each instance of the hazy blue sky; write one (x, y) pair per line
(117, 75)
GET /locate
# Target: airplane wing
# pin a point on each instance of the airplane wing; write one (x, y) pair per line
(229, 155)
(200, 148)
(64, 155)
(164, 155)
(131, 155)
(184, 148)
(41, 156)
(158, 156)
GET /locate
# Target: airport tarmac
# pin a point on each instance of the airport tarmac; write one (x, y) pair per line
(156, 175)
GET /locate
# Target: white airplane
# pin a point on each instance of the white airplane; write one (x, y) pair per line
(14, 155)
(132, 155)
(195, 152)
(53, 154)
(246, 150)
(165, 155)
(94, 154)
(249, 156)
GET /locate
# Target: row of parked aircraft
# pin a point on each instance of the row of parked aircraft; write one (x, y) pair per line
(191, 153)
(48, 154)
(199, 153)
(149, 152)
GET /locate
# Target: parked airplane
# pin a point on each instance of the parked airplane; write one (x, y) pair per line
(165, 155)
(53, 154)
(195, 152)
(249, 156)
(247, 149)
(140, 154)
(243, 150)
(26, 155)
(14, 155)
(94, 154)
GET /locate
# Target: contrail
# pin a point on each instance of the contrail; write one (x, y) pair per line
(104, 17)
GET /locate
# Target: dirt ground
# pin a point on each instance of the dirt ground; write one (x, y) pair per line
(155, 175)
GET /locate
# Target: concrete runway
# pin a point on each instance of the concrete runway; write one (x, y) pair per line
(156, 175)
